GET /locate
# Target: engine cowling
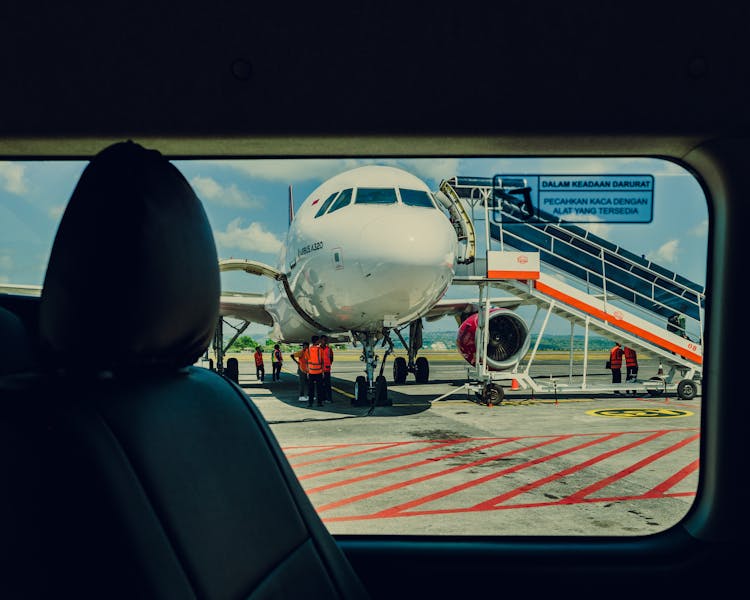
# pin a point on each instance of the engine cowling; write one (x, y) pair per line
(508, 340)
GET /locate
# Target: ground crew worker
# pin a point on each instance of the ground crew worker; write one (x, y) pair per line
(631, 366)
(615, 363)
(314, 372)
(276, 360)
(300, 357)
(327, 360)
(260, 369)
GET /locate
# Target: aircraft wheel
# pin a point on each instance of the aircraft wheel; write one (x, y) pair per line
(360, 391)
(381, 391)
(422, 370)
(399, 370)
(687, 389)
(493, 394)
(654, 391)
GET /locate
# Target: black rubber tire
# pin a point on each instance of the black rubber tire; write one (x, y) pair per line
(381, 391)
(493, 394)
(360, 391)
(687, 389)
(400, 370)
(422, 370)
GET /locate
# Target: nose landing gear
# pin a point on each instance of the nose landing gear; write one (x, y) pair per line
(368, 389)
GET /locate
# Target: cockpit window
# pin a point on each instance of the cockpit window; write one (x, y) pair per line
(376, 196)
(416, 198)
(343, 200)
(326, 204)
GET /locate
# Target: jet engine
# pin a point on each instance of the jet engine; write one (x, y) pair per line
(508, 339)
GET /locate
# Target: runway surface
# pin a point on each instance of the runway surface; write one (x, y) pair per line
(552, 464)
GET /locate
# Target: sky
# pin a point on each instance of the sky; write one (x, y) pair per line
(247, 204)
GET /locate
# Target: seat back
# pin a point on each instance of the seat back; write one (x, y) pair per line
(160, 479)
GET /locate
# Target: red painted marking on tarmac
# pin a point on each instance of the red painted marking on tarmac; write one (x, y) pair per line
(326, 447)
(349, 454)
(587, 491)
(668, 484)
(480, 480)
(565, 472)
(409, 482)
(375, 460)
(659, 491)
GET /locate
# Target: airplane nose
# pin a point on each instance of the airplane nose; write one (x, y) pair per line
(412, 238)
(407, 263)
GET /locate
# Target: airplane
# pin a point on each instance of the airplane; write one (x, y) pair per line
(368, 253)
(547, 79)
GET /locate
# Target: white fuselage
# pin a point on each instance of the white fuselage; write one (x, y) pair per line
(364, 266)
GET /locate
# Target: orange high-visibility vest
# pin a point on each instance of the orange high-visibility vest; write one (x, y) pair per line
(630, 358)
(327, 358)
(301, 357)
(615, 357)
(258, 359)
(315, 360)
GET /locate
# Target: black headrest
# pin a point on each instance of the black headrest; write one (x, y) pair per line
(133, 278)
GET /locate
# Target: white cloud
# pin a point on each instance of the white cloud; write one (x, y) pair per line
(294, 170)
(666, 253)
(291, 170)
(209, 189)
(56, 212)
(594, 225)
(11, 178)
(700, 230)
(253, 238)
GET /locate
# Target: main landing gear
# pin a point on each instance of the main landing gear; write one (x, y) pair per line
(419, 366)
(371, 390)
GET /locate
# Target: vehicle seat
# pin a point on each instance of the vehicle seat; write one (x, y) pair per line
(16, 355)
(162, 480)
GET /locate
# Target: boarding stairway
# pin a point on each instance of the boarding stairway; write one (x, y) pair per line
(587, 279)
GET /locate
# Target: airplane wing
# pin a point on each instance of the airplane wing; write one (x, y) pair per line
(245, 306)
(242, 305)
(460, 307)
(20, 290)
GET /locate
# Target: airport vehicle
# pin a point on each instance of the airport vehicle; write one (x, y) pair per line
(543, 79)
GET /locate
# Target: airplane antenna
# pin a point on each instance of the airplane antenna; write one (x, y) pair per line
(291, 205)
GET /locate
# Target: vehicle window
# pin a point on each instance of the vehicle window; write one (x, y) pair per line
(343, 200)
(416, 198)
(577, 413)
(375, 196)
(326, 204)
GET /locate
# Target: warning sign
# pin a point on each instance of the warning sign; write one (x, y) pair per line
(582, 198)
(648, 413)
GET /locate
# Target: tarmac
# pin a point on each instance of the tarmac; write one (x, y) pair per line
(537, 464)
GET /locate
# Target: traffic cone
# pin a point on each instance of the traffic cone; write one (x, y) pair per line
(514, 384)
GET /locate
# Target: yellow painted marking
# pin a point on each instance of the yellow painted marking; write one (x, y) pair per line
(639, 413)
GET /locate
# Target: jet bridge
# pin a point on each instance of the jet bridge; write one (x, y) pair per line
(587, 280)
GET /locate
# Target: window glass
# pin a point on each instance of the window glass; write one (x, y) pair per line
(549, 439)
(325, 205)
(375, 196)
(343, 200)
(416, 198)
